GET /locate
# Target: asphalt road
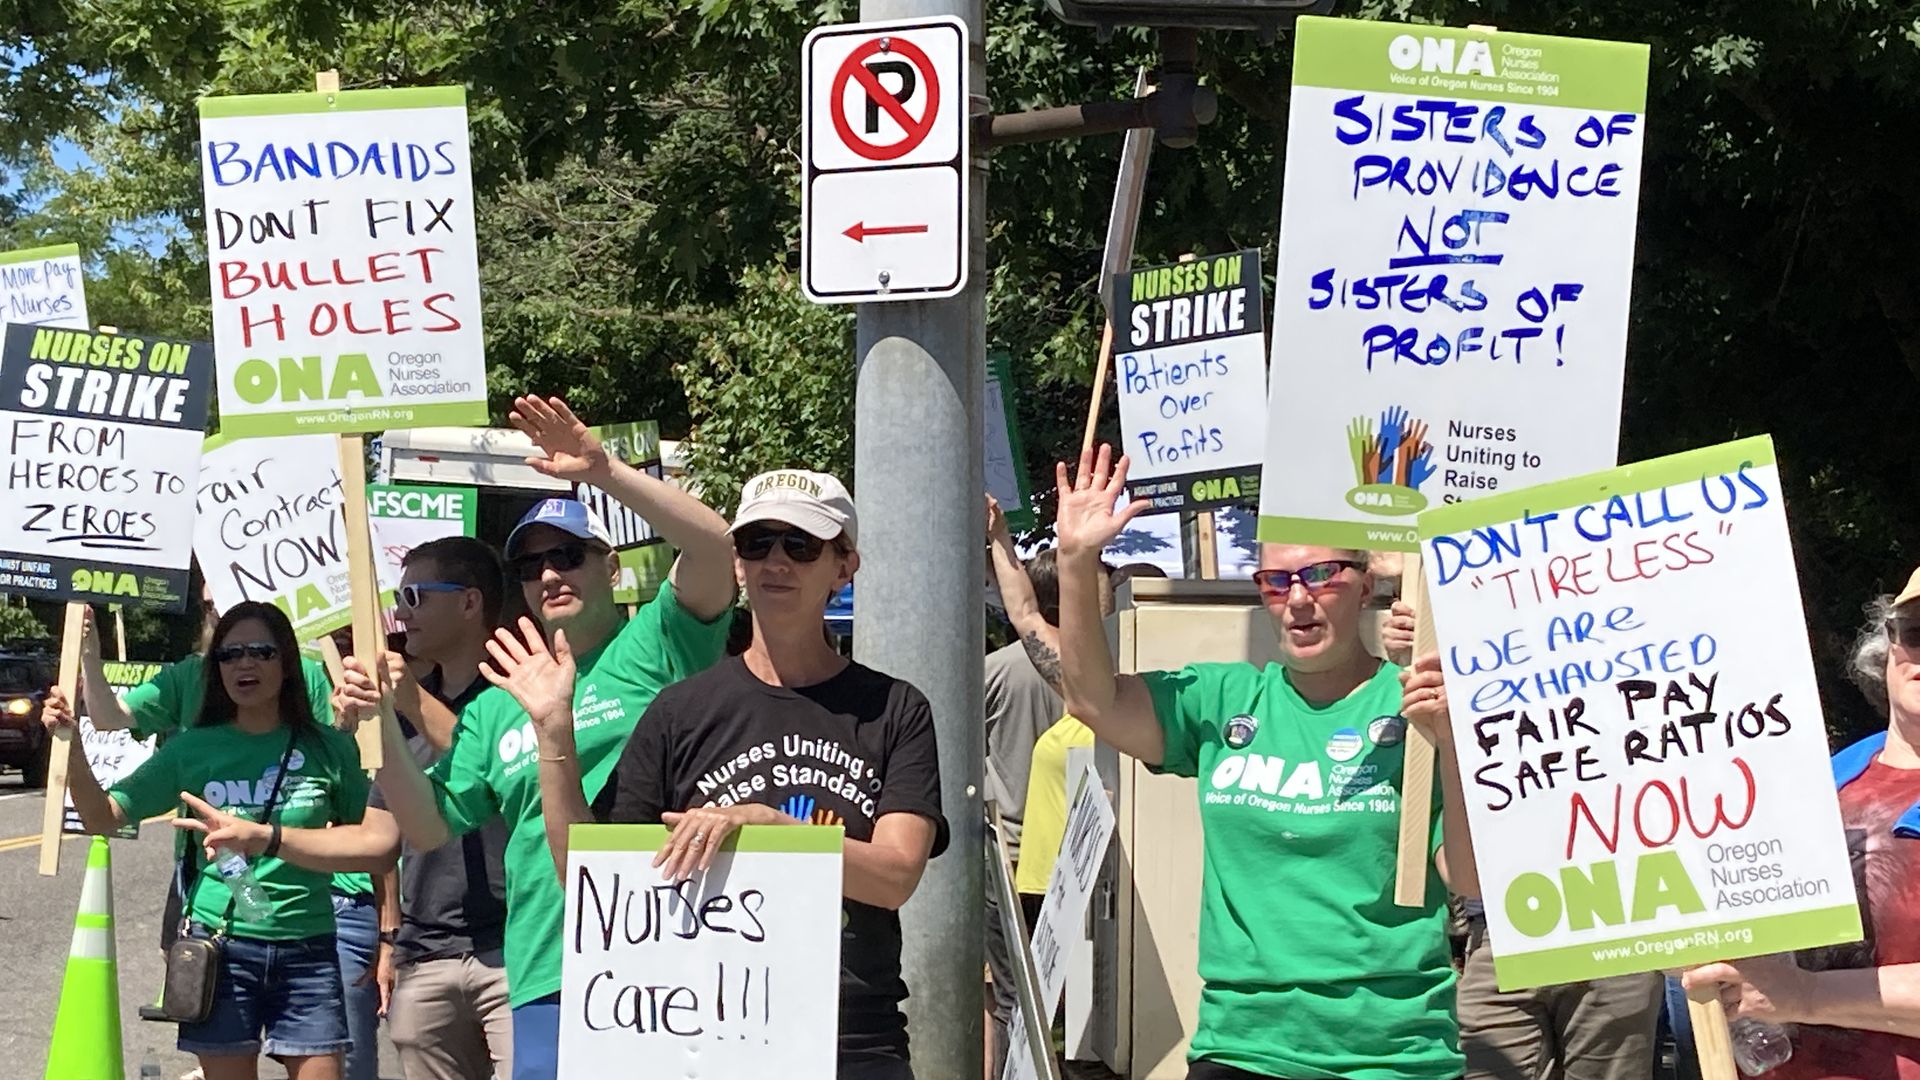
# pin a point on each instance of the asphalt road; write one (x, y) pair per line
(36, 928)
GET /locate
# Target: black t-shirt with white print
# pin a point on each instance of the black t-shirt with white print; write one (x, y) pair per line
(842, 752)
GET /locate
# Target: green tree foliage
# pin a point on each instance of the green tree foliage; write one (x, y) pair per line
(638, 169)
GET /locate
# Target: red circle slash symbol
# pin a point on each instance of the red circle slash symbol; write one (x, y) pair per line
(854, 68)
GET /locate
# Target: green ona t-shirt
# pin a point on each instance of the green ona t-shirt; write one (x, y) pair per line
(1310, 968)
(492, 767)
(171, 701)
(235, 771)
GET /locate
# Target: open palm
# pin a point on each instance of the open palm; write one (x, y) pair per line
(1086, 520)
(573, 453)
(540, 679)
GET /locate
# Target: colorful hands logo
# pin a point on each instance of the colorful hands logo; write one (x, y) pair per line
(804, 808)
(1390, 464)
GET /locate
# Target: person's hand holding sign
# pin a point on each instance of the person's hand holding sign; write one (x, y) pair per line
(1772, 989)
(1423, 699)
(573, 453)
(1087, 519)
(699, 833)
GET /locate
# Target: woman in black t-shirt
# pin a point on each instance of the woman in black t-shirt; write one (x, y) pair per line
(788, 733)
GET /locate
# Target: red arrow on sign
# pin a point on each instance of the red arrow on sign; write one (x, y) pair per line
(860, 230)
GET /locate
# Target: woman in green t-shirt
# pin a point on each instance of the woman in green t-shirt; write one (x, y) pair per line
(1310, 969)
(255, 753)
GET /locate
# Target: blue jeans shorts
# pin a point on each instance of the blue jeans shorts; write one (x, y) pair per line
(287, 990)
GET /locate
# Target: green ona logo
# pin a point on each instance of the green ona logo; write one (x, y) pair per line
(1387, 500)
(307, 378)
(1215, 488)
(105, 583)
(1537, 905)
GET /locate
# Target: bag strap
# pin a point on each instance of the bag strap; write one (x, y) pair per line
(186, 857)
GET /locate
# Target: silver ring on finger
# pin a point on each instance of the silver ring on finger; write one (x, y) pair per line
(700, 837)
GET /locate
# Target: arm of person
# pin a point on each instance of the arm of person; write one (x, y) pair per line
(409, 793)
(105, 710)
(885, 870)
(1036, 634)
(386, 899)
(99, 813)
(1777, 990)
(702, 576)
(1424, 702)
(541, 681)
(1118, 708)
(431, 716)
(370, 846)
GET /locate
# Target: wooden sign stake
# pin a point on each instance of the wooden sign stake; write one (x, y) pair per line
(1712, 1044)
(54, 810)
(1416, 770)
(368, 641)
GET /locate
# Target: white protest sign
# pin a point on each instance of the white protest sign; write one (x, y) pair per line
(1063, 912)
(1456, 252)
(44, 287)
(408, 515)
(271, 528)
(1191, 378)
(340, 242)
(100, 441)
(1638, 727)
(733, 974)
(112, 755)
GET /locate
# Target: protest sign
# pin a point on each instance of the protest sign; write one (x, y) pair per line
(1192, 381)
(408, 515)
(1456, 251)
(43, 287)
(1006, 457)
(100, 436)
(1639, 732)
(113, 755)
(736, 973)
(637, 444)
(346, 282)
(271, 528)
(1063, 912)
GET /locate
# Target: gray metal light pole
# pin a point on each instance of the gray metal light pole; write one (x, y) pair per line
(920, 610)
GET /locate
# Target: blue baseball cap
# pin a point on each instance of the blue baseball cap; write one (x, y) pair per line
(570, 516)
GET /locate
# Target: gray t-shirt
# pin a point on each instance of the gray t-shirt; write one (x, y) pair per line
(1020, 708)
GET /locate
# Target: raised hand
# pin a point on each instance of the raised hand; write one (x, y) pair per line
(1420, 468)
(1359, 442)
(573, 453)
(539, 678)
(1392, 434)
(1087, 521)
(996, 521)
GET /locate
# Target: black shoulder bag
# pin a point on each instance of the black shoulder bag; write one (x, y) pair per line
(193, 964)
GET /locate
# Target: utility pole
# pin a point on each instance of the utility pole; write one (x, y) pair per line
(920, 605)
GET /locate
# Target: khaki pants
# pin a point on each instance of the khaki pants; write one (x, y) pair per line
(1597, 1030)
(449, 1019)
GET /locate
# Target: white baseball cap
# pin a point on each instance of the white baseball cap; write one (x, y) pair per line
(811, 501)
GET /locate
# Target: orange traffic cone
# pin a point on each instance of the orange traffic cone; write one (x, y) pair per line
(86, 1031)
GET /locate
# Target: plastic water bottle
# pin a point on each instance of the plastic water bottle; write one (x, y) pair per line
(149, 1068)
(1759, 1047)
(249, 898)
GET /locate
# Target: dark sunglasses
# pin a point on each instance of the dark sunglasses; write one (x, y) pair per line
(412, 595)
(566, 557)
(1904, 633)
(262, 651)
(754, 545)
(1313, 577)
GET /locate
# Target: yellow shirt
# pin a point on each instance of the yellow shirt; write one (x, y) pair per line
(1046, 820)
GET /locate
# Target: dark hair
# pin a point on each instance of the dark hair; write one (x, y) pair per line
(464, 561)
(1124, 574)
(1044, 571)
(296, 707)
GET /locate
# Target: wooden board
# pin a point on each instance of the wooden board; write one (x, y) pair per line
(1416, 773)
(369, 640)
(53, 811)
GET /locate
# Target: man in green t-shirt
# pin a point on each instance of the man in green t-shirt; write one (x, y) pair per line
(563, 557)
(1310, 969)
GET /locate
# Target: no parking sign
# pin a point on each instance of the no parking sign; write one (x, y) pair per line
(885, 128)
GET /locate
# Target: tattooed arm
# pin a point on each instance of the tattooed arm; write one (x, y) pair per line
(1043, 648)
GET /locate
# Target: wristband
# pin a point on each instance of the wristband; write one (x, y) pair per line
(273, 843)
(389, 937)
